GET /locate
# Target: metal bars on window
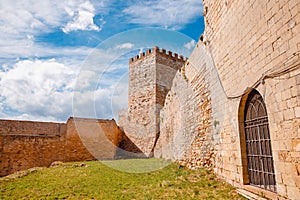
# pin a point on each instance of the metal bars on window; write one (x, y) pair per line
(258, 144)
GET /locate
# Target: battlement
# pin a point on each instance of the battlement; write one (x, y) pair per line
(161, 52)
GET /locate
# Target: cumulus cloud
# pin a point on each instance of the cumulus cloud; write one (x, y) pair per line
(44, 90)
(83, 18)
(125, 46)
(93, 104)
(38, 88)
(172, 14)
(22, 20)
(31, 16)
(102, 102)
(190, 45)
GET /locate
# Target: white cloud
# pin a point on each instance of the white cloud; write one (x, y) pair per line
(43, 90)
(125, 46)
(173, 14)
(87, 79)
(95, 104)
(38, 88)
(101, 103)
(30, 16)
(83, 18)
(22, 17)
(190, 45)
(22, 20)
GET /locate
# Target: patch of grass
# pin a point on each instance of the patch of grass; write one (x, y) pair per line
(136, 166)
(96, 180)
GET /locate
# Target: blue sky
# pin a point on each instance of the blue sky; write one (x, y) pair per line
(64, 58)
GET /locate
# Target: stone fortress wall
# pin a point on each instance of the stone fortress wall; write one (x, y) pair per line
(186, 118)
(256, 45)
(26, 144)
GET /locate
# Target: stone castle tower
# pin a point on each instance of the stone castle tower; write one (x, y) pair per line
(150, 79)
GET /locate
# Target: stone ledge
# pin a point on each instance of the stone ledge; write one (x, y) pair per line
(258, 193)
(249, 195)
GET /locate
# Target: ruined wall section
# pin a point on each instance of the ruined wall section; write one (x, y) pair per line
(26, 144)
(256, 44)
(150, 78)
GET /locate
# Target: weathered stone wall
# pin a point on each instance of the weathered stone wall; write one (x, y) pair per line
(88, 139)
(19, 152)
(141, 124)
(150, 78)
(185, 134)
(25, 144)
(256, 44)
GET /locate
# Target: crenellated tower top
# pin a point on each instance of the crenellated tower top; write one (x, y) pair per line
(161, 52)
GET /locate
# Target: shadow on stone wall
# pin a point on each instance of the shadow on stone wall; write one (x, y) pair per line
(127, 149)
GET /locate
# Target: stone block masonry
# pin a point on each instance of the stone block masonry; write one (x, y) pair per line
(98, 138)
(26, 144)
(185, 129)
(150, 78)
(255, 45)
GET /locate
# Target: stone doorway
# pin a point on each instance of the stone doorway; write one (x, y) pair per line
(258, 143)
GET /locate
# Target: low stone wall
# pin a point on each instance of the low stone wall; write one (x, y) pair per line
(25, 144)
(98, 139)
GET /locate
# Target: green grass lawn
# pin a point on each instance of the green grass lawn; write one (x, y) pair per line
(96, 180)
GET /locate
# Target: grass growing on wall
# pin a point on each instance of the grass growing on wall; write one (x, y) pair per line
(94, 180)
